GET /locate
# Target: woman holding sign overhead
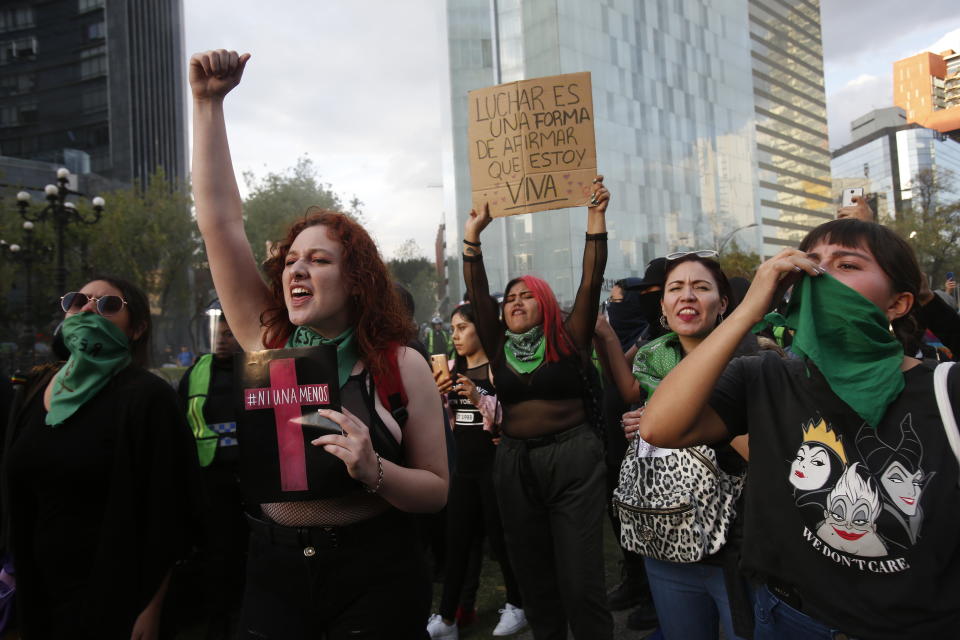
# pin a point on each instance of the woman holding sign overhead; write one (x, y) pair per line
(347, 565)
(549, 471)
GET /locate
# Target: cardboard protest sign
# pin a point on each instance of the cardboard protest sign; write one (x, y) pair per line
(282, 390)
(532, 144)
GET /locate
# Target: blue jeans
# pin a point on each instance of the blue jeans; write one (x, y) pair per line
(776, 620)
(691, 600)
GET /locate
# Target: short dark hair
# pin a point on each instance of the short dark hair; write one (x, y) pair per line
(139, 309)
(891, 252)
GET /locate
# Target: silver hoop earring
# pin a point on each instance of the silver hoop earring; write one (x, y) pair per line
(663, 322)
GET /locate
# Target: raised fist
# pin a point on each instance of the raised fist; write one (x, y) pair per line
(214, 73)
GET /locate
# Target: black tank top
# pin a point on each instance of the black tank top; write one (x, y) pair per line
(475, 448)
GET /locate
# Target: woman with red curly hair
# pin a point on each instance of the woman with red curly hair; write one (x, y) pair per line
(348, 565)
(549, 472)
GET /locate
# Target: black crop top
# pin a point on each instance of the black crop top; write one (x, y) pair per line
(551, 398)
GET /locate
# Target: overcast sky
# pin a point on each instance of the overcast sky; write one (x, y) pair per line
(355, 85)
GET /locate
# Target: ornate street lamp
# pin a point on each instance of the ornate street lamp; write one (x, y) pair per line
(27, 253)
(62, 214)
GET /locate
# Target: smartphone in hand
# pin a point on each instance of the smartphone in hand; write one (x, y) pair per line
(439, 364)
(848, 195)
(314, 425)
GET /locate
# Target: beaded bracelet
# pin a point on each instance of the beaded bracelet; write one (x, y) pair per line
(379, 475)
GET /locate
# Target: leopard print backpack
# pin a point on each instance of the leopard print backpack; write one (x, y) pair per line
(675, 505)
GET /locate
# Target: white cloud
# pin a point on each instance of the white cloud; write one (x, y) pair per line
(352, 84)
(862, 94)
(951, 40)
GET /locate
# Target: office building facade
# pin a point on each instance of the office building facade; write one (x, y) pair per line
(885, 162)
(94, 86)
(710, 125)
(927, 87)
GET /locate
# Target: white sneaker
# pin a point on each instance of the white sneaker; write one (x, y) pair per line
(440, 630)
(512, 620)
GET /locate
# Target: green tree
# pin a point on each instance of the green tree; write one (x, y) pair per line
(736, 262)
(276, 199)
(411, 268)
(147, 235)
(930, 221)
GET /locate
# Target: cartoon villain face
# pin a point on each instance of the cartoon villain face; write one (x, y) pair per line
(849, 523)
(902, 487)
(811, 468)
(820, 458)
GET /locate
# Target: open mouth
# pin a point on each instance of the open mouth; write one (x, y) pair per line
(799, 474)
(909, 501)
(687, 314)
(300, 295)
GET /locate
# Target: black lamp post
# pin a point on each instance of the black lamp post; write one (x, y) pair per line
(27, 253)
(62, 213)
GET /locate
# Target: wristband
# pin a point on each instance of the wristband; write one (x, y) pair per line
(470, 244)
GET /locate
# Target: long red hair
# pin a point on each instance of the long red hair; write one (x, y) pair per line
(559, 342)
(375, 309)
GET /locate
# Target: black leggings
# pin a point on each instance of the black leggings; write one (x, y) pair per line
(364, 581)
(471, 510)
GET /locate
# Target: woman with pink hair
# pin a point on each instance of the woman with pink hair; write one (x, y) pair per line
(549, 472)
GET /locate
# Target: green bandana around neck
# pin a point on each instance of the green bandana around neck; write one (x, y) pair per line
(98, 350)
(655, 360)
(347, 354)
(847, 337)
(525, 351)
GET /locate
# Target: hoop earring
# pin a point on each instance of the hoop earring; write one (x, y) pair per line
(663, 322)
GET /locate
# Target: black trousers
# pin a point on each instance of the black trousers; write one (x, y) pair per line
(366, 581)
(472, 510)
(552, 495)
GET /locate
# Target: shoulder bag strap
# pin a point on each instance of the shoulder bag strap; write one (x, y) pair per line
(946, 410)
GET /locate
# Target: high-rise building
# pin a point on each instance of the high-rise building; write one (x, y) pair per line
(94, 86)
(884, 161)
(710, 125)
(927, 87)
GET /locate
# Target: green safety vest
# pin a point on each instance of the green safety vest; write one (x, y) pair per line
(198, 387)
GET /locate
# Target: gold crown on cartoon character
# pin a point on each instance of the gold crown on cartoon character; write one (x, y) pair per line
(822, 433)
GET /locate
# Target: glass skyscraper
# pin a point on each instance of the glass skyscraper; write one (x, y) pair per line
(709, 116)
(885, 163)
(94, 86)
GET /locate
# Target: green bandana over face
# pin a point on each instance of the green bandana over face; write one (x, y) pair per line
(98, 349)
(347, 355)
(846, 336)
(525, 351)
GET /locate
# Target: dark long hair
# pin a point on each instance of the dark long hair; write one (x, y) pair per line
(465, 310)
(375, 309)
(719, 277)
(892, 253)
(139, 309)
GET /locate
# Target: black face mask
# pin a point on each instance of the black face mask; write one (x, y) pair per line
(649, 306)
(637, 316)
